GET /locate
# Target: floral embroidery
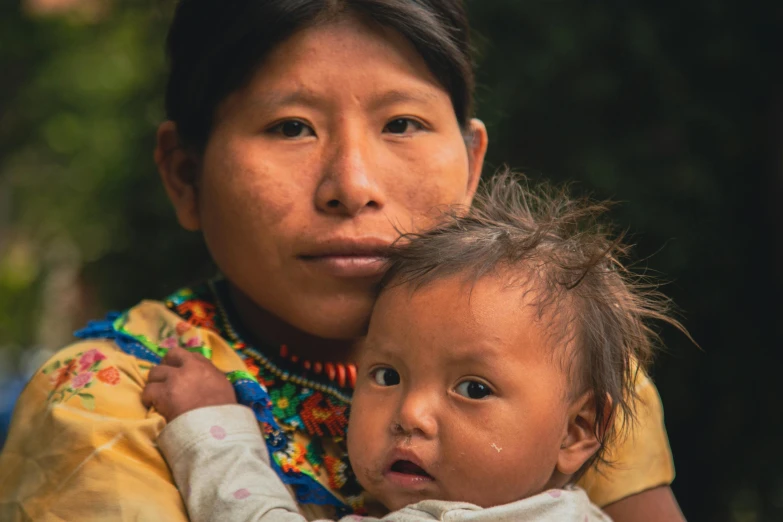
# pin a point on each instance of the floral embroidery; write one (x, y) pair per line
(315, 454)
(169, 337)
(89, 358)
(285, 401)
(182, 327)
(80, 380)
(336, 469)
(70, 378)
(292, 457)
(320, 412)
(110, 375)
(197, 312)
(357, 504)
(181, 335)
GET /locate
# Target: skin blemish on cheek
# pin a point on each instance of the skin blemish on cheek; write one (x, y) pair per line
(496, 447)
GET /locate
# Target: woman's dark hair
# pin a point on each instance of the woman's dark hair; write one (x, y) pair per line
(215, 46)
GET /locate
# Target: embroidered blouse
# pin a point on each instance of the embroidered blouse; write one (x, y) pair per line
(82, 446)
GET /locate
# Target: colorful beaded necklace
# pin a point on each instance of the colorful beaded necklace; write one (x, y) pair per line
(341, 374)
(341, 377)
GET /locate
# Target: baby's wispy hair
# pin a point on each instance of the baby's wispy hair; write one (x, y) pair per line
(600, 312)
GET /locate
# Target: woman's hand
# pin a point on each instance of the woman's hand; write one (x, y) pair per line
(184, 381)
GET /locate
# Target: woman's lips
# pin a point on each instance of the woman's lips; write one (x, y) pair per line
(347, 257)
(348, 265)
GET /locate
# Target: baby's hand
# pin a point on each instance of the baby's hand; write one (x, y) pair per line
(184, 381)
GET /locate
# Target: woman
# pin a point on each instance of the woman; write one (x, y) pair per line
(302, 137)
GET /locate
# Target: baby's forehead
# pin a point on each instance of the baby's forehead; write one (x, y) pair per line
(500, 305)
(517, 289)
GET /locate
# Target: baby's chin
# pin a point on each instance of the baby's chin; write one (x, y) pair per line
(394, 499)
(396, 502)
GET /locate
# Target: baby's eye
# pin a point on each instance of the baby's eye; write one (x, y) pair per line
(473, 390)
(386, 377)
(402, 126)
(292, 129)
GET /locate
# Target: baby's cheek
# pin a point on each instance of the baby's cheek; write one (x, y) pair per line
(367, 430)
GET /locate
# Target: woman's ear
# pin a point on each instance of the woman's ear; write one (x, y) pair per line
(178, 170)
(581, 437)
(476, 141)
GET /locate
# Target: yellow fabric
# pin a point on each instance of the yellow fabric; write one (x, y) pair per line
(641, 461)
(83, 448)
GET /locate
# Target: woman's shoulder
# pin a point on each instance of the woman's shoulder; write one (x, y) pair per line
(85, 401)
(145, 332)
(92, 375)
(114, 355)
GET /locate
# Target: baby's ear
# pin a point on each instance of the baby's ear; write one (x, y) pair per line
(581, 436)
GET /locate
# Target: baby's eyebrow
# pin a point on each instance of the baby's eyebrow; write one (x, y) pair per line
(476, 352)
(381, 349)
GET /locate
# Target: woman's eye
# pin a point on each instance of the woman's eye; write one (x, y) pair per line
(292, 129)
(473, 390)
(402, 126)
(386, 377)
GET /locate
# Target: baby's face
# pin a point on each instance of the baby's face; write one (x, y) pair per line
(459, 397)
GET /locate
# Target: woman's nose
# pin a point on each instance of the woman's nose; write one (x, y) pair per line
(416, 417)
(349, 183)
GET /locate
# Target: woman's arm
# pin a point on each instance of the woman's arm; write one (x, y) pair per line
(640, 463)
(81, 444)
(653, 505)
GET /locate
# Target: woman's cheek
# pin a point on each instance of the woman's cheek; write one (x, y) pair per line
(443, 182)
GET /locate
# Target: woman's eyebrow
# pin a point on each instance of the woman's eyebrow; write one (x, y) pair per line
(306, 97)
(294, 97)
(393, 96)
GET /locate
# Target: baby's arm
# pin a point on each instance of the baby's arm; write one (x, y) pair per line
(214, 446)
(221, 466)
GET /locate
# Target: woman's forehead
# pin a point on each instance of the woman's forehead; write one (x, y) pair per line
(342, 55)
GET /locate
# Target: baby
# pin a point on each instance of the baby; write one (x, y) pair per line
(500, 360)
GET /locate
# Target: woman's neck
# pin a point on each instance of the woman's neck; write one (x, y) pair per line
(265, 328)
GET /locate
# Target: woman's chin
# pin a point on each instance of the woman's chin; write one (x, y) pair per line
(336, 326)
(341, 317)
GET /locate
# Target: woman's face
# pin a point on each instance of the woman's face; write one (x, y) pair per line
(342, 138)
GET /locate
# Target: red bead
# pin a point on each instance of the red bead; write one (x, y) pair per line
(330, 371)
(283, 351)
(341, 375)
(352, 375)
(318, 367)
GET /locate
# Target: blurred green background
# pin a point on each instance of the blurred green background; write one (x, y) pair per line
(673, 108)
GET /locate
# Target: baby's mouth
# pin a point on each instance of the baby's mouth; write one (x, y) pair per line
(406, 467)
